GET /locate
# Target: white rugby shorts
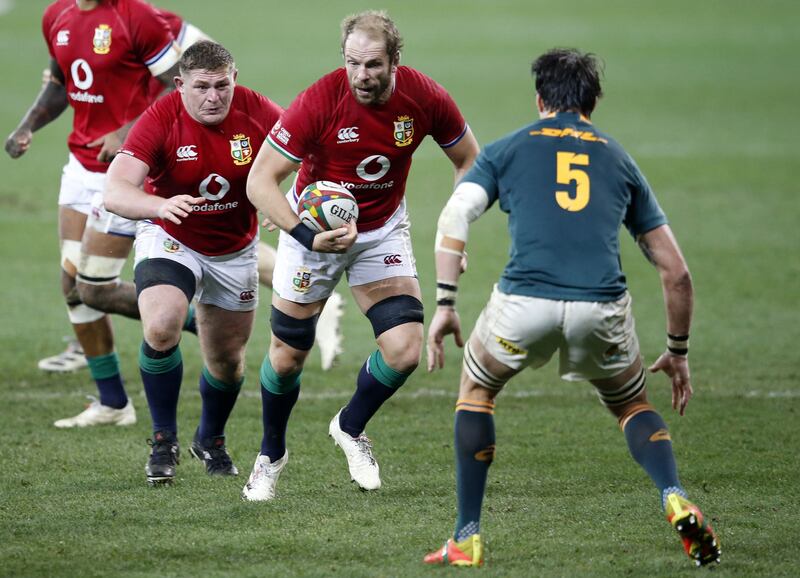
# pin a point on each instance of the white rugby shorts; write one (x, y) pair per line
(595, 340)
(227, 281)
(82, 191)
(304, 276)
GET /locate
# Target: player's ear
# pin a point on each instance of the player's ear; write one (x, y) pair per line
(396, 61)
(235, 74)
(178, 83)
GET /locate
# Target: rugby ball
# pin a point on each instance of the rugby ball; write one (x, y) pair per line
(325, 205)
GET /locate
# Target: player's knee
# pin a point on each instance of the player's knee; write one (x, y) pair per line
(476, 371)
(296, 333)
(162, 333)
(91, 295)
(228, 369)
(403, 353)
(286, 360)
(394, 311)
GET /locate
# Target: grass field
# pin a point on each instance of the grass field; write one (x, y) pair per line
(702, 94)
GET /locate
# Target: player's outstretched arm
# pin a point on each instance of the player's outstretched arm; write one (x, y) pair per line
(48, 105)
(124, 196)
(662, 250)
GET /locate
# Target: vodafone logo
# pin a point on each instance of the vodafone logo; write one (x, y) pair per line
(186, 153)
(349, 134)
(82, 74)
(365, 167)
(214, 182)
(390, 260)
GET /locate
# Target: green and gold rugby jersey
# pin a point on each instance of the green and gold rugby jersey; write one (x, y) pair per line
(566, 188)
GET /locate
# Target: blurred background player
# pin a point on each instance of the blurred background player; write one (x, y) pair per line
(201, 241)
(358, 126)
(567, 188)
(95, 47)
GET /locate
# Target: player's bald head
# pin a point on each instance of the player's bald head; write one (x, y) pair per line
(205, 55)
(375, 24)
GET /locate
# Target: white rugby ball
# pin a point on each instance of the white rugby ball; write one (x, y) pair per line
(325, 205)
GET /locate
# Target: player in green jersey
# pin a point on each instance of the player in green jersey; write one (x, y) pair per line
(566, 188)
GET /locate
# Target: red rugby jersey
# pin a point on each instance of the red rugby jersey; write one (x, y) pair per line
(365, 148)
(187, 157)
(107, 55)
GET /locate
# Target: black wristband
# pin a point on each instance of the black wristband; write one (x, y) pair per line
(446, 302)
(303, 235)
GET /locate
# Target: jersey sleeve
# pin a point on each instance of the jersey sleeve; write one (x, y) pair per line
(448, 123)
(146, 139)
(294, 130)
(152, 40)
(484, 173)
(644, 213)
(47, 27)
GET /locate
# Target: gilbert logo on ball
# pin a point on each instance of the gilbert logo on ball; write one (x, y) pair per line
(325, 205)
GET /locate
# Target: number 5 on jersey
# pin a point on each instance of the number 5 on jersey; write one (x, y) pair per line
(565, 174)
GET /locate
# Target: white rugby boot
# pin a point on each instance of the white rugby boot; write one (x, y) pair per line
(329, 335)
(364, 470)
(260, 487)
(71, 359)
(98, 414)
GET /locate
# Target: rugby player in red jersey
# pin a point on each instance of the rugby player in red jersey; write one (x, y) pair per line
(329, 337)
(182, 173)
(96, 47)
(357, 126)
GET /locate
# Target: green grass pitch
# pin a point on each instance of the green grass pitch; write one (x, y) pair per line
(702, 94)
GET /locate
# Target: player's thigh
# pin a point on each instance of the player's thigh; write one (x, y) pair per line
(223, 336)
(75, 197)
(303, 276)
(517, 331)
(600, 339)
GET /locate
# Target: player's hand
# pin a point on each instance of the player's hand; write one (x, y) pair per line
(336, 241)
(109, 145)
(464, 263)
(269, 225)
(445, 321)
(18, 142)
(677, 368)
(178, 207)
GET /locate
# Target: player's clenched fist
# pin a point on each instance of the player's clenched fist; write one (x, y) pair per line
(18, 142)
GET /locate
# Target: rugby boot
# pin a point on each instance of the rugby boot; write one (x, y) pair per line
(71, 359)
(99, 414)
(698, 537)
(363, 468)
(212, 452)
(468, 552)
(164, 456)
(260, 487)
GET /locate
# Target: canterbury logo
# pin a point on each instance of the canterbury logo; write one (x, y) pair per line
(392, 260)
(486, 455)
(349, 134)
(247, 295)
(661, 435)
(186, 153)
